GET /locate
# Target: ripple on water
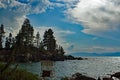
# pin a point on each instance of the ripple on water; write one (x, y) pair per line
(93, 67)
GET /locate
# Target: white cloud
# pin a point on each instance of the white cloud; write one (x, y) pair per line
(59, 35)
(65, 3)
(38, 6)
(13, 12)
(98, 17)
(68, 1)
(96, 49)
(2, 5)
(66, 32)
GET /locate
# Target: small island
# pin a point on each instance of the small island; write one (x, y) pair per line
(27, 47)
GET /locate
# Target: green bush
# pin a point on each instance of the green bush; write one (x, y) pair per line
(18, 74)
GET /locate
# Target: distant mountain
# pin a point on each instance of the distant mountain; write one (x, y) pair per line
(96, 54)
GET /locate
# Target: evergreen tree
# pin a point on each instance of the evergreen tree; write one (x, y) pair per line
(7, 44)
(49, 41)
(41, 47)
(1, 42)
(25, 36)
(45, 39)
(62, 50)
(1, 35)
(38, 39)
(9, 41)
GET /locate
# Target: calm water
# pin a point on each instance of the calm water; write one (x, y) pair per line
(94, 67)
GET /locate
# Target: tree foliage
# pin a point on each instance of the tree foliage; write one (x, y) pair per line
(38, 39)
(9, 42)
(26, 46)
(49, 41)
(1, 35)
(25, 35)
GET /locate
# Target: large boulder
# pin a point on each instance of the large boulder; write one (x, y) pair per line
(117, 75)
(78, 76)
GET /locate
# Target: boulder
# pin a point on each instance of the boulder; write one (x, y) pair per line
(79, 76)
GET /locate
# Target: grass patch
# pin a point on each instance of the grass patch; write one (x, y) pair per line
(18, 74)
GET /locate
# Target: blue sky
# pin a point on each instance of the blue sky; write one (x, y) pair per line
(91, 26)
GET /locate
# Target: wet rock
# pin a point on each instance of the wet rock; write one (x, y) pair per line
(117, 75)
(99, 78)
(79, 76)
(107, 78)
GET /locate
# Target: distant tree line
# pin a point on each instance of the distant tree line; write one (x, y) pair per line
(26, 45)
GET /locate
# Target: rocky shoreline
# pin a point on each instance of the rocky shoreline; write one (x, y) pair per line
(79, 76)
(5, 54)
(28, 47)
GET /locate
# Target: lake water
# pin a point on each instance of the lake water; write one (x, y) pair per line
(93, 67)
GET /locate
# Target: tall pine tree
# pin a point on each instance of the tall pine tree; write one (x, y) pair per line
(9, 41)
(49, 41)
(38, 39)
(7, 44)
(1, 35)
(25, 35)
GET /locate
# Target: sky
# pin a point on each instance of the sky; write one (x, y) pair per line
(90, 26)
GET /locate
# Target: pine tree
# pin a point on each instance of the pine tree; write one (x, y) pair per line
(13, 42)
(41, 47)
(7, 44)
(49, 41)
(1, 42)
(25, 36)
(62, 51)
(9, 41)
(1, 35)
(45, 39)
(38, 39)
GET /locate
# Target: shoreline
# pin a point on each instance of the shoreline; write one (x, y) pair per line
(37, 67)
(86, 67)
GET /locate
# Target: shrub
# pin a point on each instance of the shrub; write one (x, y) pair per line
(18, 74)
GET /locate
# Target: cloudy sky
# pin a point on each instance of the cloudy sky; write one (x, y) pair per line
(79, 25)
